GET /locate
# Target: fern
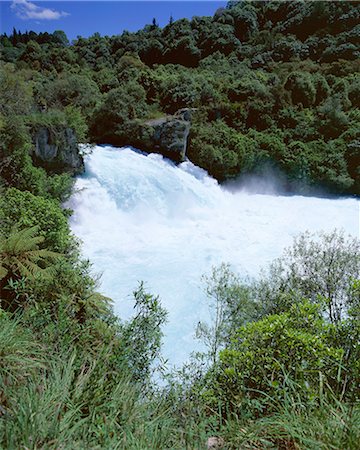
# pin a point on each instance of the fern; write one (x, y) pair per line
(20, 255)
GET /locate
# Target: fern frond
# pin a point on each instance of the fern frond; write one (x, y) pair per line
(20, 254)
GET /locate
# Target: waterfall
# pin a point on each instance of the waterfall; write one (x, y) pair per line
(141, 217)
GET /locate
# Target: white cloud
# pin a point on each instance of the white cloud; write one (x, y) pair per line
(28, 10)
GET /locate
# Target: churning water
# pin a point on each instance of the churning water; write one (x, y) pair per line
(140, 217)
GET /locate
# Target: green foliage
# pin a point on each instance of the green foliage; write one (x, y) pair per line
(18, 171)
(76, 121)
(141, 337)
(20, 254)
(121, 106)
(354, 92)
(20, 356)
(78, 91)
(21, 259)
(27, 210)
(69, 407)
(319, 267)
(289, 70)
(106, 80)
(245, 20)
(264, 354)
(302, 88)
(222, 150)
(178, 91)
(59, 186)
(32, 55)
(330, 424)
(333, 120)
(231, 307)
(295, 331)
(319, 163)
(15, 94)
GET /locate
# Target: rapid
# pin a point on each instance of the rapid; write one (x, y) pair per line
(141, 217)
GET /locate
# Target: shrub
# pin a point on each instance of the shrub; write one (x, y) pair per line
(24, 209)
(264, 354)
(302, 89)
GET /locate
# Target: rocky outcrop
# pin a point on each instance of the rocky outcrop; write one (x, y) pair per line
(57, 150)
(167, 135)
(170, 134)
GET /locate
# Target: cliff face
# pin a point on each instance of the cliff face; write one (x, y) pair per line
(57, 150)
(170, 134)
(167, 135)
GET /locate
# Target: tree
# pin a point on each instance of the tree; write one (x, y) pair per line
(33, 55)
(180, 44)
(245, 19)
(69, 89)
(333, 120)
(320, 267)
(141, 336)
(121, 106)
(15, 92)
(266, 356)
(27, 210)
(60, 37)
(154, 24)
(230, 308)
(302, 88)
(221, 150)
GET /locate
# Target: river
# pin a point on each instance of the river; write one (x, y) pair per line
(140, 217)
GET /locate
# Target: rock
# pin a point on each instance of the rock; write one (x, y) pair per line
(170, 134)
(57, 150)
(215, 443)
(167, 135)
(170, 139)
(185, 113)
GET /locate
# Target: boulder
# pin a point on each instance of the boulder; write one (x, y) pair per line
(57, 150)
(170, 134)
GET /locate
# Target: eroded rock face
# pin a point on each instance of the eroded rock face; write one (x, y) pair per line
(171, 134)
(57, 150)
(167, 135)
(170, 137)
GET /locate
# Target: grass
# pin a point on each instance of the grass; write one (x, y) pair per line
(70, 401)
(52, 404)
(324, 423)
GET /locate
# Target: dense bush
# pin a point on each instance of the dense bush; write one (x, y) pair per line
(23, 209)
(285, 349)
(265, 354)
(263, 67)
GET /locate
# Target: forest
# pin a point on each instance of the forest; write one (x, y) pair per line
(272, 86)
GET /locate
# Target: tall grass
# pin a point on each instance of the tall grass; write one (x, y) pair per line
(296, 422)
(20, 356)
(57, 405)
(71, 401)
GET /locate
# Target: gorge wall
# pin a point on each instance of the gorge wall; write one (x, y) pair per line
(57, 150)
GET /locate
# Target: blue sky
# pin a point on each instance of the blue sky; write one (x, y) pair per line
(84, 18)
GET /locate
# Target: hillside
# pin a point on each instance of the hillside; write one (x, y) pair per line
(275, 85)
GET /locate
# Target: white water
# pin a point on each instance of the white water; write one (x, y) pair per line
(142, 218)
